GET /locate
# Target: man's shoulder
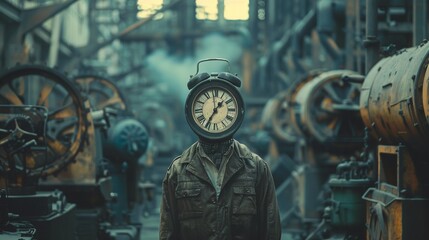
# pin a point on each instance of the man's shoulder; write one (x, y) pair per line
(184, 157)
(244, 152)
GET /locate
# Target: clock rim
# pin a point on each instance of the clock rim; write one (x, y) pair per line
(228, 133)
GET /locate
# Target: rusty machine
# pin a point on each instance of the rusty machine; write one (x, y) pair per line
(124, 140)
(356, 169)
(319, 117)
(43, 129)
(88, 192)
(394, 107)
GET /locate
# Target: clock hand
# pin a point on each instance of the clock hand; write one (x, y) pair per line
(214, 112)
(219, 104)
(214, 103)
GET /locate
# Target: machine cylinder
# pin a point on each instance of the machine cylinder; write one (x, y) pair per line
(394, 98)
(127, 141)
(349, 209)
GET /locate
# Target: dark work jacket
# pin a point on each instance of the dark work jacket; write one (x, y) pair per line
(246, 209)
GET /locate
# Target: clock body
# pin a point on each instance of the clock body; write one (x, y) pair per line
(214, 109)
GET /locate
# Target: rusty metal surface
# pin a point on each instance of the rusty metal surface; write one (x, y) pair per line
(396, 171)
(395, 218)
(83, 170)
(391, 102)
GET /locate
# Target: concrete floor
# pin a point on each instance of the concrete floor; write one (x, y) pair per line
(150, 228)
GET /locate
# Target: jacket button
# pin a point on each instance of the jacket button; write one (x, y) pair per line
(213, 200)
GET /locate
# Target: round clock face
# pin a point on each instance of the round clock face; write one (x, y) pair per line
(214, 110)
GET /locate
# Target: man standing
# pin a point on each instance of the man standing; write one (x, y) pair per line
(218, 188)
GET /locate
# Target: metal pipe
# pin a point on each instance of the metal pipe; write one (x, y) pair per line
(55, 41)
(420, 19)
(371, 42)
(327, 17)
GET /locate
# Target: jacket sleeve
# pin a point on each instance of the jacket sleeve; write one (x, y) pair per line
(268, 210)
(168, 226)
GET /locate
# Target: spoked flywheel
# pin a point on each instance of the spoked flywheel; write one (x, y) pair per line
(282, 110)
(66, 126)
(329, 109)
(101, 92)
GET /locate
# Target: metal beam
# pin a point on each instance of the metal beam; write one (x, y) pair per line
(420, 20)
(371, 42)
(10, 12)
(44, 35)
(35, 17)
(94, 47)
(158, 36)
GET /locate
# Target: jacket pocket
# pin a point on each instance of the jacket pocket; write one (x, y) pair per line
(244, 200)
(188, 193)
(188, 202)
(243, 217)
(190, 213)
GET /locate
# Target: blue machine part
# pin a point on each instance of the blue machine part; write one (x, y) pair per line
(127, 141)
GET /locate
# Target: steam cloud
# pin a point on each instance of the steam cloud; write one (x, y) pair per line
(174, 71)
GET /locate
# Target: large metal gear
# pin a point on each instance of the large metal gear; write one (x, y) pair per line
(66, 128)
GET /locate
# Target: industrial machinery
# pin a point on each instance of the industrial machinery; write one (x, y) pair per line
(87, 154)
(319, 115)
(321, 130)
(43, 128)
(101, 92)
(123, 141)
(394, 107)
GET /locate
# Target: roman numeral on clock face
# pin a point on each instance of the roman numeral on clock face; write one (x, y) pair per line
(207, 95)
(228, 101)
(201, 118)
(198, 110)
(229, 117)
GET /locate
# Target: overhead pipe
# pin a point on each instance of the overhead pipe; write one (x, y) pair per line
(301, 28)
(371, 43)
(327, 13)
(420, 18)
(293, 37)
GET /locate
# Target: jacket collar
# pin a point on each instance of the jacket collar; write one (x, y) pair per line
(242, 152)
(191, 157)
